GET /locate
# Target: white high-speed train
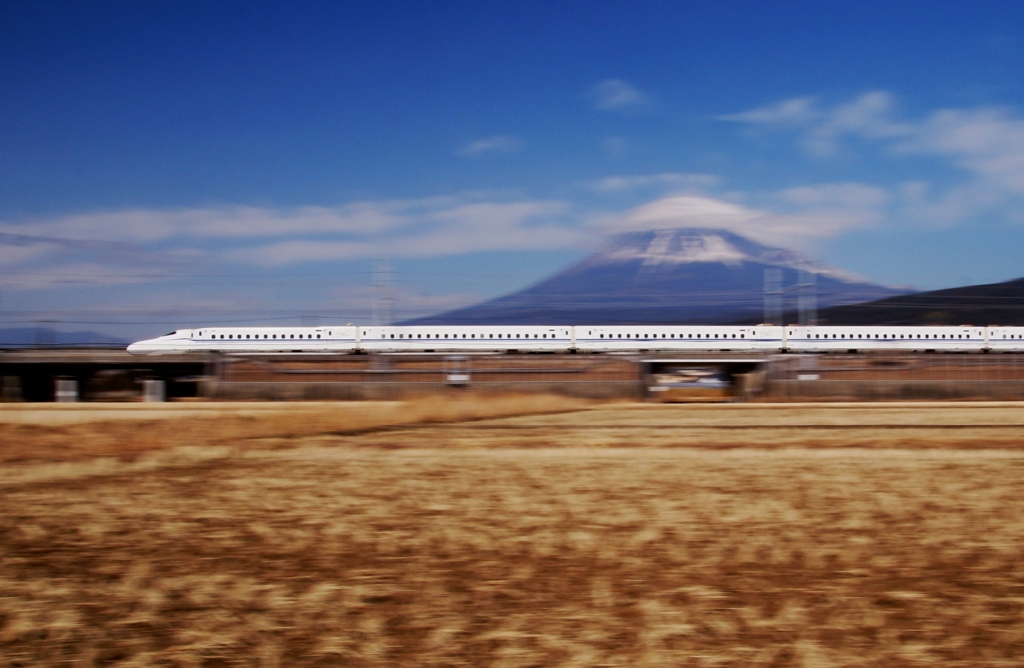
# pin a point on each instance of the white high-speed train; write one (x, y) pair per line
(582, 338)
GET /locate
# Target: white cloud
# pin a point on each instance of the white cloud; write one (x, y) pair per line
(495, 144)
(303, 250)
(987, 142)
(984, 146)
(791, 218)
(676, 181)
(798, 111)
(156, 244)
(618, 95)
(869, 116)
(456, 238)
(151, 225)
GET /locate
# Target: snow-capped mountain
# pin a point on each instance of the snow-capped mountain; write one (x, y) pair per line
(666, 276)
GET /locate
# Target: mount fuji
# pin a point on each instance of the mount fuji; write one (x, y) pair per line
(679, 276)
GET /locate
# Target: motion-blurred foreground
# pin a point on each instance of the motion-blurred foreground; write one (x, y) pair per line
(512, 532)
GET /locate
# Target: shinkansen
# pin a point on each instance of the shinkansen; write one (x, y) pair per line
(582, 338)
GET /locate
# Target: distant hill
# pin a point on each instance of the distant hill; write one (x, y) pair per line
(681, 276)
(20, 337)
(990, 304)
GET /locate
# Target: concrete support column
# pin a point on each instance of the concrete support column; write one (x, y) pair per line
(66, 390)
(154, 390)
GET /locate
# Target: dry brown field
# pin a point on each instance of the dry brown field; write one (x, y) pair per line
(512, 532)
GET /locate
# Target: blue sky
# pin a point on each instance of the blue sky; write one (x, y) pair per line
(175, 163)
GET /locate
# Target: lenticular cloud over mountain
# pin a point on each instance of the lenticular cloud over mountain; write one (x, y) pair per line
(681, 276)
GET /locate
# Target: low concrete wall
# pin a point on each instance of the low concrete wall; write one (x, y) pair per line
(378, 391)
(865, 390)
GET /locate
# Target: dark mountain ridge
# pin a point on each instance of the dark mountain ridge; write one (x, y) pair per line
(988, 304)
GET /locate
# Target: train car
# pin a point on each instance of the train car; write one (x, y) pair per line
(908, 338)
(630, 338)
(455, 338)
(1005, 339)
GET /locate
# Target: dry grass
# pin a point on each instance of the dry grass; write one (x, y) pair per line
(359, 554)
(967, 426)
(56, 433)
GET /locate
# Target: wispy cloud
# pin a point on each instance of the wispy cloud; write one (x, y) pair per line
(868, 116)
(667, 180)
(797, 112)
(153, 238)
(619, 95)
(495, 144)
(152, 225)
(456, 229)
(984, 146)
(987, 142)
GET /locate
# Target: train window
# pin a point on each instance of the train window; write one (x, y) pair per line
(689, 336)
(499, 336)
(627, 336)
(472, 336)
(959, 336)
(602, 336)
(842, 336)
(743, 336)
(318, 336)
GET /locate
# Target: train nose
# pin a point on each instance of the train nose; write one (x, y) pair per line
(141, 348)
